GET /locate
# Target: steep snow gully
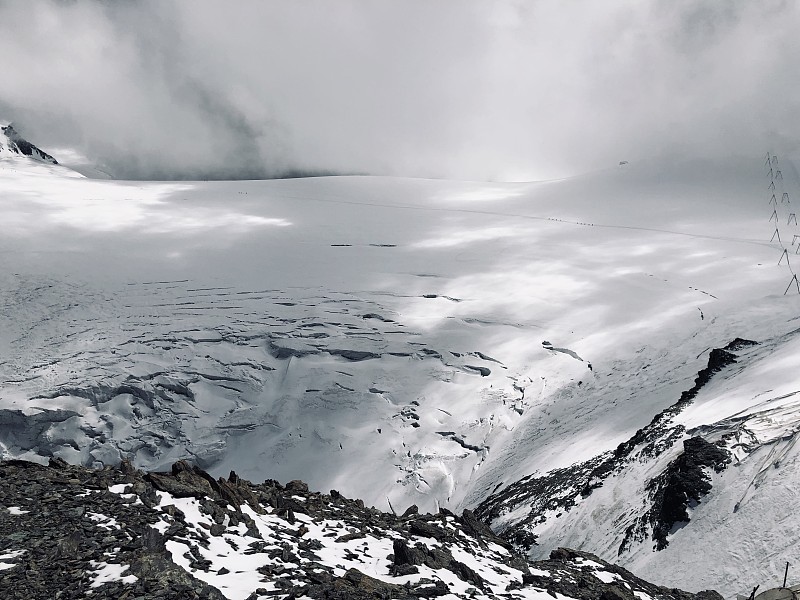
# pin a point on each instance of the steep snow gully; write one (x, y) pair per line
(603, 363)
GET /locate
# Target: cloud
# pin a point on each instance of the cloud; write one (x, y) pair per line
(448, 88)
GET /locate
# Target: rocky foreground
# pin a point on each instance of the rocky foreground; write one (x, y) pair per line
(72, 532)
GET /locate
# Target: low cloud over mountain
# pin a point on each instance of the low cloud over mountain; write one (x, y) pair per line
(509, 90)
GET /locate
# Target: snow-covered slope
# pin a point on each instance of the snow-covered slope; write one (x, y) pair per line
(719, 473)
(715, 470)
(409, 341)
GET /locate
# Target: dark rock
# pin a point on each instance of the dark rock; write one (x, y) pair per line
(439, 588)
(425, 529)
(480, 530)
(465, 573)
(562, 554)
(615, 593)
(350, 537)
(358, 586)
(734, 346)
(709, 594)
(296, 486)
(401, 570)
(354, 355)
(403, 555)
(682, 483)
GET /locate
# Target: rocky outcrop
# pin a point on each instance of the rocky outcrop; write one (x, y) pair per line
(584, 584)
(682, 484)
(46, 519)
(72, 532)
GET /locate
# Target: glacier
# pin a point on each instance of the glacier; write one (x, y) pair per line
(411, 341)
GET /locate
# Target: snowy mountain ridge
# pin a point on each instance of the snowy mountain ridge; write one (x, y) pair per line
(118, 533)
(12, 142)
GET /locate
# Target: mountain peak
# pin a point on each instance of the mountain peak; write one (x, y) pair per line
(12, 142)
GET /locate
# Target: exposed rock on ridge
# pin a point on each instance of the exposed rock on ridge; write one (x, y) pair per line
(560, 489)
(73, 532)
(16, 144)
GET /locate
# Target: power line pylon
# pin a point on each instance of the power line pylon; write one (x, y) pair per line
(795, 282)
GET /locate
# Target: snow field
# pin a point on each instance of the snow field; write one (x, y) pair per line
(404, 341)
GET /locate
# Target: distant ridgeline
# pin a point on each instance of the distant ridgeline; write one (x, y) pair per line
(13, 143)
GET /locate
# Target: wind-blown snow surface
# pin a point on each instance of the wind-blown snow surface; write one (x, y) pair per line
(403, 341)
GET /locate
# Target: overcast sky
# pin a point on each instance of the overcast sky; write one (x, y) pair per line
(502, 90)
